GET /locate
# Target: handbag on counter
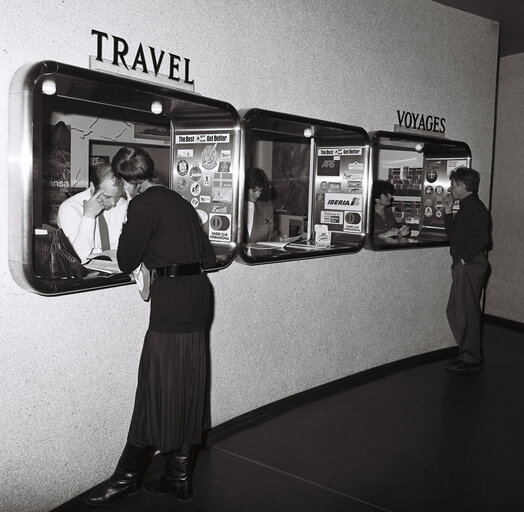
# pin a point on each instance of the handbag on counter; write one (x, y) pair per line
(54, 256)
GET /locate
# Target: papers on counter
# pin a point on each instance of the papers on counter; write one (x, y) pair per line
(104, 261)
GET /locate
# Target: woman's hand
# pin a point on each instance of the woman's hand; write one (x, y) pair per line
(389, 233)
(405, 230)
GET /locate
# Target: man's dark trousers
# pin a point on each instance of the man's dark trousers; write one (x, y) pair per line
(463, 310)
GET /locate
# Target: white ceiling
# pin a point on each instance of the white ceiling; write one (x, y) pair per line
(510, 14)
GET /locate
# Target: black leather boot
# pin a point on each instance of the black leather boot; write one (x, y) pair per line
(177, 475)
(127, 477)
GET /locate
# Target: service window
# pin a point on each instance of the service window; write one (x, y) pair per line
(302, 191)
(410, 176)
(66, 122)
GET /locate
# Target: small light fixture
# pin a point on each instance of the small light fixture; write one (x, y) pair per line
(156, 107)
(308, 132)
(419, 147)
(49, 87)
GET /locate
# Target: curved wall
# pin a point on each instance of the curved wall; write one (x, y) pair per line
(505, 293)
(69, 364)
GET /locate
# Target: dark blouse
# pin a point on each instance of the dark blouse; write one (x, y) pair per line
(380, 225)
(163, 228)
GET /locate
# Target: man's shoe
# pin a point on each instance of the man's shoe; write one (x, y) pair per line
(462, 366)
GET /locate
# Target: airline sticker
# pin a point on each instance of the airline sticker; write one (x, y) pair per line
(194, 202)
(354, 176)
(224, 167)
(222, 195)
(225, 154)
(343, 201)
(223, 179)
(339, 151)
(209, 157)
(431, 176)
(352, 222)
(195, 189)
(205, 199)
(220, 227)
(184, 153)
(182, 185)
(195, 173)
(182, 167)
(203, 216)
(203, 138)
(328, 166)
(330, 217)
(356, 166)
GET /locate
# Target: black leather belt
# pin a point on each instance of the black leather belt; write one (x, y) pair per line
(180, 269)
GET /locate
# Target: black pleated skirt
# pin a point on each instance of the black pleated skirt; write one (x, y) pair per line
(171, 406)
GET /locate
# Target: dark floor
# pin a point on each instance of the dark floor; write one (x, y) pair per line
(417, 440)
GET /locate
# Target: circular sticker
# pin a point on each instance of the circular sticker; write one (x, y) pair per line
(194, 202)
(203, 216)
(429, 189)
(182, 185)
(219, 222)
(439, 205)
(195, 173)
(428, 212)
(182, 167)
(438, 214)
(195, 189)
(439, 190)
(209, 157)
(428, 202)
(324, 186)
(352, 218)
(431, 176)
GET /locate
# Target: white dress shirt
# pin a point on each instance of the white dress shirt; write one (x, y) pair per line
(83, 232)
(250, 215)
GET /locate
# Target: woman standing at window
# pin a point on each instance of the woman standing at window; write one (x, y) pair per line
(163, 231)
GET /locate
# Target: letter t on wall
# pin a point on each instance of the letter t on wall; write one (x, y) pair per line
(99, 41)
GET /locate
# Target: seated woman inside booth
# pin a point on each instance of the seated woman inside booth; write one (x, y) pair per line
(258, 213)
(384, 223)
(397, 197)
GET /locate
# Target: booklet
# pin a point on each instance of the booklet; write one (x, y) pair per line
(275, 244)
(104, 261)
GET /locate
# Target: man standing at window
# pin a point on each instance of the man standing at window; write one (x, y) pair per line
(469, 236)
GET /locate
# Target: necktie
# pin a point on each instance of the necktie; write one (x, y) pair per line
(104, 232)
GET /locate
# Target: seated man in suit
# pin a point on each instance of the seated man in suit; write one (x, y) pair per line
(259, 214)
(92, 220)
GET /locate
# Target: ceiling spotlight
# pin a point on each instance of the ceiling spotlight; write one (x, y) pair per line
(308, 132)
(49, 87)
(419, 147)
(156, 107)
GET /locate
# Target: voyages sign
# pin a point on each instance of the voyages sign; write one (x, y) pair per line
(417, 122)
